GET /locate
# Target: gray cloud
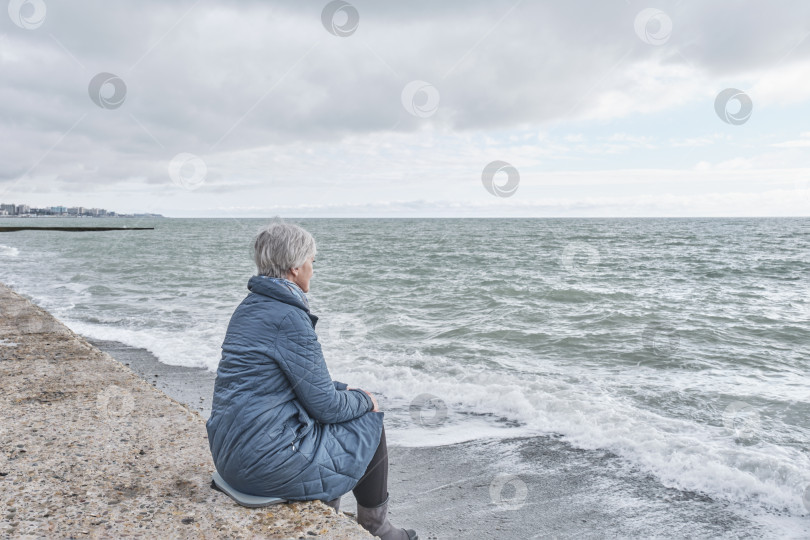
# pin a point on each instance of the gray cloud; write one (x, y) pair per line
(210, 77)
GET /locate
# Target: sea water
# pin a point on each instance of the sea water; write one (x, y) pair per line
(680, 345)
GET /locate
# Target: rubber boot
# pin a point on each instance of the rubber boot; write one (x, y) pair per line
(375, 521)
(334, 503)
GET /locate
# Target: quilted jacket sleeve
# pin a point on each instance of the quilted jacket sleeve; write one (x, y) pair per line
(299, 355)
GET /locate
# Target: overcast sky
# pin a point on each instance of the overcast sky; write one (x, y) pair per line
(372, 108)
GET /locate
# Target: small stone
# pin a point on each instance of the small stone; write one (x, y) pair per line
(188, 520)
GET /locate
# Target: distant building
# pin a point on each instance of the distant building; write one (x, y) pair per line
(73, 211)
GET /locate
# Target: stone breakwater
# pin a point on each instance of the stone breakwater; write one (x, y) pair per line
(90, 450)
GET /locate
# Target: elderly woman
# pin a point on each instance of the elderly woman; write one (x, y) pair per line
(280, 426)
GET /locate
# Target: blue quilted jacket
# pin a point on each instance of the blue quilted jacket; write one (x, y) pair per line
(279, 425)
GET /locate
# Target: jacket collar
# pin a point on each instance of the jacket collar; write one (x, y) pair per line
(266, 287)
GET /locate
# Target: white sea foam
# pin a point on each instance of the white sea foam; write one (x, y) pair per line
(8, 251)
(682, 453)
(192, 348)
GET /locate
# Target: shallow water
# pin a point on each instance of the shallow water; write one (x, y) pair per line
(680, 345)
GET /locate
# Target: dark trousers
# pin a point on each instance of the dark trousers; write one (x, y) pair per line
(372, 489)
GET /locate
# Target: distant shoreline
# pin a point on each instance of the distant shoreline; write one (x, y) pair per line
(75, 229)
(45, 216)
(405, 218)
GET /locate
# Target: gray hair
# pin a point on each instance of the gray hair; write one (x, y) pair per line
(280, 246)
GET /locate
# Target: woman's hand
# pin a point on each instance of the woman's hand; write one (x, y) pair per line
(373, 400)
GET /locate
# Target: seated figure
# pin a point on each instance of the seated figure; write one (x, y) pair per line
(280, 426)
